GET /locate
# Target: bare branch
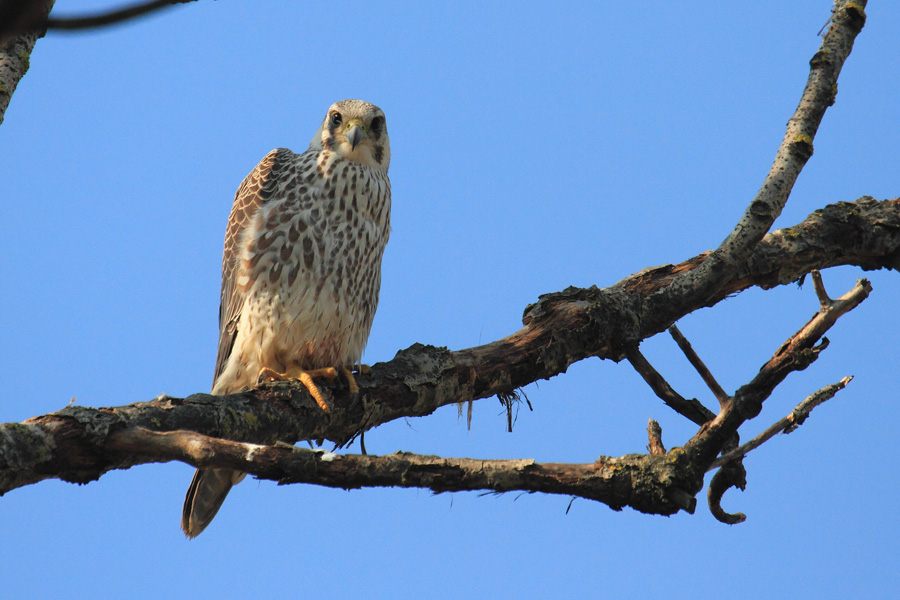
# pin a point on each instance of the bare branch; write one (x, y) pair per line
(642, 482)
(25, 16)
(731, 475)
(699, 365)
(795, 354)
(819, 286)
(692, 409)
(786, 424)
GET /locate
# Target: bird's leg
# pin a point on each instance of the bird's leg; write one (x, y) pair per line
(304, 377)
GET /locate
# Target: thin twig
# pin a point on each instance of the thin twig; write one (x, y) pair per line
(31, 18)
(786, 424)
(110, 17)
(698, 364)
(692, 409)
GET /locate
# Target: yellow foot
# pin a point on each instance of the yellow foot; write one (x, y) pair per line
(304, 377)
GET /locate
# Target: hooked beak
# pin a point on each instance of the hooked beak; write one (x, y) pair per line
(355, 133)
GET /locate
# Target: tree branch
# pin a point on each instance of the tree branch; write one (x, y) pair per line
(721, 265)
(641, 482)
(795, 354)
(701, 368)
(22, 16)
(15, 48)
(784, 425)
(111, 17)
(654, 435)
(241, 431)
(693, 409)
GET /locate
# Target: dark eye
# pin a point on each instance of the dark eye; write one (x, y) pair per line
(377, 125)
(336, 119)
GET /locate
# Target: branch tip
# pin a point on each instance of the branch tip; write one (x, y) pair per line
(654, 433)
(824, 301)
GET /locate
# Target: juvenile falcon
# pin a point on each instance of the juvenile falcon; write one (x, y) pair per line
(301, 270)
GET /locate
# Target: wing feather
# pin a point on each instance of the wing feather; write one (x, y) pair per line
(253, 193)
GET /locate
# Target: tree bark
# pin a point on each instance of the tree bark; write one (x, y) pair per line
(16, 45)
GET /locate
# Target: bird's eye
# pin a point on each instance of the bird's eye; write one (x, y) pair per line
(377, 125)
(336, 119)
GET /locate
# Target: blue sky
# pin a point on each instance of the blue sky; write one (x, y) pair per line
(533, 147)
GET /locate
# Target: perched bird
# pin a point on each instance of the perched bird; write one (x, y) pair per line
(301, 270)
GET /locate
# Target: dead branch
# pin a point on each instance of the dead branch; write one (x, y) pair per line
(23, 16)
(110, 17)
(786, 424)
(644, 483)
(692, 409)
(797, 353)
(699, 365)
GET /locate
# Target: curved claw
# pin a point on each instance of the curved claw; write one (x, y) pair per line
(351, 383)
(304, 377)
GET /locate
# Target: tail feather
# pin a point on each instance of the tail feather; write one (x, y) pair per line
(205, 496)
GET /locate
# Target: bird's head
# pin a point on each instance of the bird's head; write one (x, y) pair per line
(357, 131)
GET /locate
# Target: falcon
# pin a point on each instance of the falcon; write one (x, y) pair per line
(301, 271)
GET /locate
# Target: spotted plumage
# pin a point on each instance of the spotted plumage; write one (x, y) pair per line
(301, 269)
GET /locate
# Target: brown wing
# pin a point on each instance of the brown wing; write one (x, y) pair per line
(256, 189)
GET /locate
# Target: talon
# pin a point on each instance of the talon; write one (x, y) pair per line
(267, 374)
(306, 378)
(351, 381)
(354, 387)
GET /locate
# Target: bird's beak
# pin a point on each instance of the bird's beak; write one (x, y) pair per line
(355, 132)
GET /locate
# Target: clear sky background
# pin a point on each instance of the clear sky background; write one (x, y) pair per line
(534, 146)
